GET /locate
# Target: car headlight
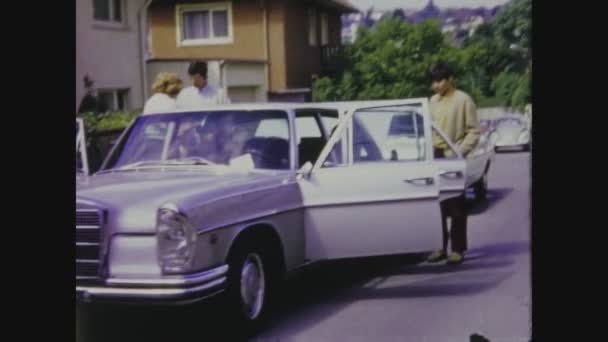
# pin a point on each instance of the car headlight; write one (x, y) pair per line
(176, 240)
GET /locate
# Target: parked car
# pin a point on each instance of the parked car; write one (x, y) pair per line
(511, 132)
(232, 199)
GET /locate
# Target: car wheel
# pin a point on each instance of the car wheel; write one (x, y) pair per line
(481, 187)
(249, 285)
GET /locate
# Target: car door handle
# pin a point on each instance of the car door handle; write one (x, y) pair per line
(421, 181)
(452, 174)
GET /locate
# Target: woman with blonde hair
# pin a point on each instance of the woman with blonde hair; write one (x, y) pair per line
(166, 87)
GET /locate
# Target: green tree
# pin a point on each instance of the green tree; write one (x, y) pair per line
(390, 60)
(387, 61)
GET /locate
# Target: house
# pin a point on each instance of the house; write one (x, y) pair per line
(259, 50)
(109, 50)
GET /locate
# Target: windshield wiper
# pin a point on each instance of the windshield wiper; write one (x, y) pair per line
(133, 165)
(170, 162)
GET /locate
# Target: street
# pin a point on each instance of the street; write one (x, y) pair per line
(382, 299)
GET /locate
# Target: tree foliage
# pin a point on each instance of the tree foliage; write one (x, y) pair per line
(390, 60)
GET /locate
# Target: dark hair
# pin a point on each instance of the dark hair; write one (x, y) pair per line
(440, 71)
(198, 68)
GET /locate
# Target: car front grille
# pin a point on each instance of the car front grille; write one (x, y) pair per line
(88, 238)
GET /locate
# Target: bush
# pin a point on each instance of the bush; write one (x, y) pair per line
(110, 121)
(101, 129)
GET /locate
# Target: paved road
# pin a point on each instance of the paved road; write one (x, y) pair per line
(385, 299)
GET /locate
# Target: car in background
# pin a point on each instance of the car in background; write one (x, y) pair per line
(511, 132)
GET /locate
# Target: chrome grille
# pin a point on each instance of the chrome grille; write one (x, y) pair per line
(87, 217)
(88, 237)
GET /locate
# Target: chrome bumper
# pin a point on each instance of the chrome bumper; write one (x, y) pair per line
(515, 145)
(171, 289)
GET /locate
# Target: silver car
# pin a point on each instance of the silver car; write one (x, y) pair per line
(231, 199)
(511, 132)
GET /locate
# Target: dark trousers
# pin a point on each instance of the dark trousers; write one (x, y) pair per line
(455, 208)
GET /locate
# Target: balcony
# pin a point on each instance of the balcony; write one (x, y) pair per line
(332, 60)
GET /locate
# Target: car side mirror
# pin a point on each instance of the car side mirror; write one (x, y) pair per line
(305, 170)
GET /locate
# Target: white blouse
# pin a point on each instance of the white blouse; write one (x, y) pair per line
(159, 103)
(193, 98)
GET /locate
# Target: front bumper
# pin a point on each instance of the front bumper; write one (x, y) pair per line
(511, 145)
(166, 290)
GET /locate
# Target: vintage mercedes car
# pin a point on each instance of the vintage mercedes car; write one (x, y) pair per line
(231, 199)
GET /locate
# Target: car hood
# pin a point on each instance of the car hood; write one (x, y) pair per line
(141, 193)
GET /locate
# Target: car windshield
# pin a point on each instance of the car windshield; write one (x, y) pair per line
(504, 122)
(259, 139)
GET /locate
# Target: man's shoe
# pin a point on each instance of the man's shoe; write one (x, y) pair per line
(455, 259)
(436, 256)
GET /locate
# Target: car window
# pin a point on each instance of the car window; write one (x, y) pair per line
(217, 136)
(388, 135)
(313, 127)
(307, 127)
(505, 122)
(277, 128)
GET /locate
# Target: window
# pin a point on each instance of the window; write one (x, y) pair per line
(108, 10)
(307, 127)
(312, 27)
(272, 127)
(203, 24)
(324, 29)
(313, 128)
(115, 99)
(221, 137)
(338, 152)
(388, 135)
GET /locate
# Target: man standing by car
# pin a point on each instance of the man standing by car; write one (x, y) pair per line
(200, 94)
(454, 112)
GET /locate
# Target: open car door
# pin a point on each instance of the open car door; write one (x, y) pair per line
(374, 190)
(453, 172)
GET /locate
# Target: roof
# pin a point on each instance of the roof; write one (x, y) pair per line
(299, 105)
(342, 6)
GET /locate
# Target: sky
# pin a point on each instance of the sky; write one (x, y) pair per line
(418, 4)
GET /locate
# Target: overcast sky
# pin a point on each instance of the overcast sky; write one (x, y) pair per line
(418, 4)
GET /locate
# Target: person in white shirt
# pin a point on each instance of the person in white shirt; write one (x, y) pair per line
(166, 87)
(200, 94)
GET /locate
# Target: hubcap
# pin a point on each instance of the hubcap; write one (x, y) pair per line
(252, 285)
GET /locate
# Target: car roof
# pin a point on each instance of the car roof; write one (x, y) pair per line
(290, 105)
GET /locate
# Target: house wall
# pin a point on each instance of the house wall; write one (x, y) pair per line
(304, 60)
(109, 55)
(247, 26)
